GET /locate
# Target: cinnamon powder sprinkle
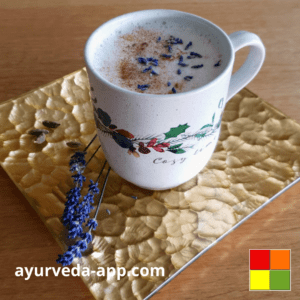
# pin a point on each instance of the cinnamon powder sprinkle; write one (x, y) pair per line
(144, 62)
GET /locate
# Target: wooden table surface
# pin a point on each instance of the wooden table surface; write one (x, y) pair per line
(44, 40)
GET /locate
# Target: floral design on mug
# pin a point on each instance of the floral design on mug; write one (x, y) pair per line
(176, 140)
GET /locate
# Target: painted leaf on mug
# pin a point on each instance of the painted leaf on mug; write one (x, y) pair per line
(177, 143)
(174, 147)
(125, 133)
(177, 151)
(104, 117)
(122, 140)
(200, 135)
(205, 126)
(221, 103)
(175, 131)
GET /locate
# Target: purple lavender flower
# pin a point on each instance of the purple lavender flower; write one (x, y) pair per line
(76, 212)
(166, 55)
(82, 245)
(65, 259)
(147, 69)
(195, 54)
(73, 197)
(92, 224)
(188, 45)
(75, 250)
(154, 62)
(77, 162)
(75, 229)
(182, 64)
(78, 179)
(143, 87)
(197, 66)
(218, 64)
(142, 60)
(87, 237)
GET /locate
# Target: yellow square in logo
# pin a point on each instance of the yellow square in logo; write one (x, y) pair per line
(259, 280)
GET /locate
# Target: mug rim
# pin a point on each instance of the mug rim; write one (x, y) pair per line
(89, 64)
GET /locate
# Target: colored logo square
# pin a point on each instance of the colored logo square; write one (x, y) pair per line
(280, 260)
(259, 259)
(280, 280)
(259, 280)
(270, 270)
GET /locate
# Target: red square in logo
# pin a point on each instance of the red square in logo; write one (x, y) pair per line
(259, 259)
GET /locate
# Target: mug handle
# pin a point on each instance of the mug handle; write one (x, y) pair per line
(252, 64)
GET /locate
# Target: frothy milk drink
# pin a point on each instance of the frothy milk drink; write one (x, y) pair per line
(160, 80)
(159, 58)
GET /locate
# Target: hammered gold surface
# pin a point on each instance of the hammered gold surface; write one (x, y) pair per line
(258, 154)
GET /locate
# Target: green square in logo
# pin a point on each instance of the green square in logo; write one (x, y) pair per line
(280, 280)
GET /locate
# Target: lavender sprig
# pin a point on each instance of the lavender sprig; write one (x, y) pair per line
(77, 213)
(77, 216)
(80, 246)
(86, 237)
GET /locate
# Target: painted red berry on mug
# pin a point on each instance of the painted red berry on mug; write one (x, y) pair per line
(164, 144)
(152, 142)
(158, 149)
(143, 149)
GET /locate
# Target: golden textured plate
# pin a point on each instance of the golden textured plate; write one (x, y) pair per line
(257, 157)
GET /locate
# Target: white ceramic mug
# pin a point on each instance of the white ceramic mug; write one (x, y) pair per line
(161, 141)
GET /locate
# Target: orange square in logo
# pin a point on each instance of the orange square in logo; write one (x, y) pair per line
(280, 260)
